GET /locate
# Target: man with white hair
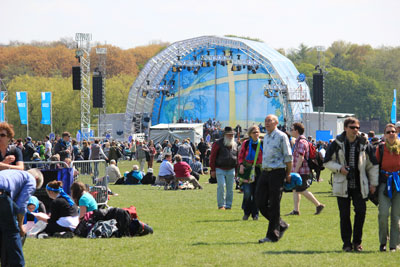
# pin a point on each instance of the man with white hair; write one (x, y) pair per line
(276, 167)
(223, 162)
(397, 125)
(16, 187)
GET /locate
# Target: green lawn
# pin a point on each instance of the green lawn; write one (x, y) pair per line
(189, 230)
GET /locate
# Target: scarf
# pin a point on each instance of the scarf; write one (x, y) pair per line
(32, 201)
(394, 148)
(62, 194)
(252, 152)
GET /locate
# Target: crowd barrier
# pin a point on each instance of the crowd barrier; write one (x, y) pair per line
(90, 172)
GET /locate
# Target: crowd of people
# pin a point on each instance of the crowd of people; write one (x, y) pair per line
(363, 166)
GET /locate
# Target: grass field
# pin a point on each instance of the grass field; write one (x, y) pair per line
(189, 230)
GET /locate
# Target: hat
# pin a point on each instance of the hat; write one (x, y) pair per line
(228, 130)
(295, 180)
(150, 170)
(30, 138)
(36, 155)
(397, 124)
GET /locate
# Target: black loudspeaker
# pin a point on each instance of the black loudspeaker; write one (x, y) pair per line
(146, 119)
(97, 92)
(318, 90)
(76, 78)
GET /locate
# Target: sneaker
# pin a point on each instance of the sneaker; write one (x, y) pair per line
(347, 249)
(293, 212)
(358, 248)
(319, 209)
(392, 249)
(227, 208)
(265, 240)
(382, 248)
(245, 217)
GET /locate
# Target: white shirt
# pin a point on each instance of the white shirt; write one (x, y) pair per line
(47, 150)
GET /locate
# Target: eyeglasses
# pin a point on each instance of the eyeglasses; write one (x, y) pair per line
(388, 132)
(354, 127)
(3, 135)
(254, 132)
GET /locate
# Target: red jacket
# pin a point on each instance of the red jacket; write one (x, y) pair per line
(244, 150)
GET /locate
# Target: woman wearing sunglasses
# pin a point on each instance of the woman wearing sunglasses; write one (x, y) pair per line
(388, 155)
(10, 155)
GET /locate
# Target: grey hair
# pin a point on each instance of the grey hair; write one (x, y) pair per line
(38, 176)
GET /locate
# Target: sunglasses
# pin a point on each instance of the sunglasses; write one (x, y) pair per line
(3, 135)
(354, 127)
(388, 132)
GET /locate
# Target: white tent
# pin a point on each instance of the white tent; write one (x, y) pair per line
(172, 131)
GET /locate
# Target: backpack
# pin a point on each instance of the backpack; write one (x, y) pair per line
(315, 160)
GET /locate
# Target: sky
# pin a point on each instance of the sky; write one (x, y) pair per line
(130, 23)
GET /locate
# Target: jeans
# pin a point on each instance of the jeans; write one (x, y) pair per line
(249, 205)
(225, 178)
(360, 209)
(96, 169)
(10, 246)
(141, 164)
(385, 203)
(268, 198)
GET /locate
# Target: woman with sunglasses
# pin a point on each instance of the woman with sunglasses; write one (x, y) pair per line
(246, 158)
(10, 155)
(388, 155)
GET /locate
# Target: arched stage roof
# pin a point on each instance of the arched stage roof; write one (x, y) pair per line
(267, 84)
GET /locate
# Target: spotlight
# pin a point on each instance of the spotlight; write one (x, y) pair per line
(144, 93)
(208, 53)
(148, 82)
(244, 66)
(172, 95)
(249, 68)
(179, 58)
(208, 64)
(239, 68)
(204, 64)
(179, 69)
(238, 57)
(214, 63)
(269, 81)
(230, 53)
(174, 69)
(257, 67)
(223, 63)
(194, 58)
(254, 71)
(165, 82)
(188, 68)
(234, 68)
(173, 82)
(167, 94)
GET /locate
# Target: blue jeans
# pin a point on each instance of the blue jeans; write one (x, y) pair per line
(249, 205)
(225, 178)
(10, 246)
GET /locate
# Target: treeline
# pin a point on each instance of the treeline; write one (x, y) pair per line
(46, 67)
(359, 79)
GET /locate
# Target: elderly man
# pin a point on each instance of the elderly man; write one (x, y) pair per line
(223, 162)
(276, 167)
(15, 189)
(113, 172)
(397, 125)
(186, 151)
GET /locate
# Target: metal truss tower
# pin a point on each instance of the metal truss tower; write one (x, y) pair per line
(83, 53)
(101, 69)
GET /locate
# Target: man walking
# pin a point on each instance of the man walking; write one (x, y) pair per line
(15, 189)
(300, 154)
(276, 167)
(355, 173)
(223, 162)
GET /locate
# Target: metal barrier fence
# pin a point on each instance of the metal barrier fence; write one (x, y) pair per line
(91, 171)
(47, 165)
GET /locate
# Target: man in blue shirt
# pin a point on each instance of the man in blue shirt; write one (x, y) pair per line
(167, 173)
(15, 189)
(276, 167)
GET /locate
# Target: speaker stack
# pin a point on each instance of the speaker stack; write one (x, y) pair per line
(318, 90)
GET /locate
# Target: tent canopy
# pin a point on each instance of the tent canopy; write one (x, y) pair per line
(173, 131)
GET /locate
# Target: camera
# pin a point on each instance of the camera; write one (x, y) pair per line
(351, 172)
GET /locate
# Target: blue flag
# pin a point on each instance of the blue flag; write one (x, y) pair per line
(394, 109)
(22, 102)
(46, 108)
(2, 107)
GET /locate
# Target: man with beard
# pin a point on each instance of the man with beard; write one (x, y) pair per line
(276, 167)
(223, 161)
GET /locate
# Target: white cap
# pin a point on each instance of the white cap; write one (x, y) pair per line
(397, 124)
(36, 155)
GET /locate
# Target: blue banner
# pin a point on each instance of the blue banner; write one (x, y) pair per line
(394, 109)
(46, 108)
(2, 107)
(22, 102)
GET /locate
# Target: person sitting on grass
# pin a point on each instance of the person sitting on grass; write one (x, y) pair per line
(149, 178)
(34, 205)
(135, 176)
(83, 199)
(197, 168)
(182, 172)
(113, 172)
(63, 211)
(166, 173)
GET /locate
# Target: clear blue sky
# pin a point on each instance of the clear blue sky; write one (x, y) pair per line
(130, 23)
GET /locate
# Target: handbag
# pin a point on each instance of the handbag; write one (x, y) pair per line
(250, 171)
